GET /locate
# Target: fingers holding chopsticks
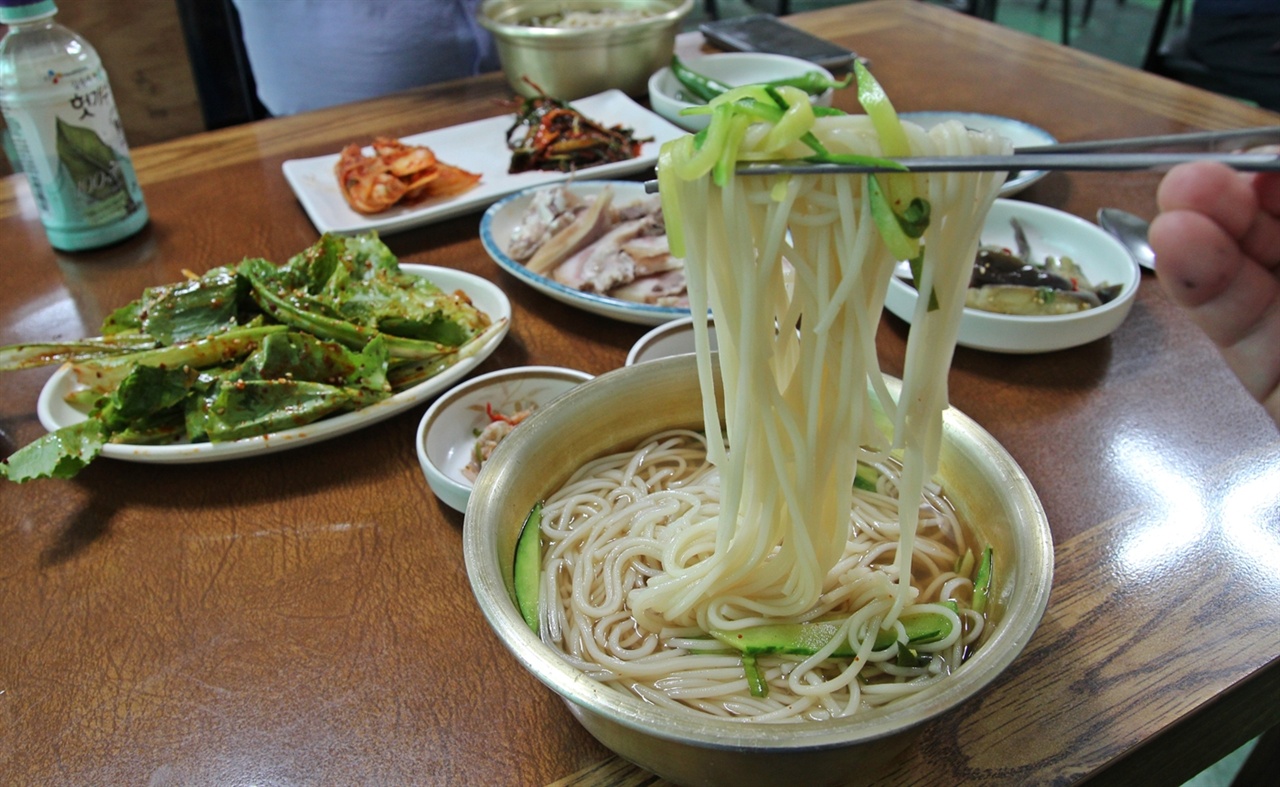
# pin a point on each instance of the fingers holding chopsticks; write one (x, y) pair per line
(1217, 243)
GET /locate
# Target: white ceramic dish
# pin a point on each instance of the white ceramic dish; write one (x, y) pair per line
(1049, 232)
(1016, 131)
(447, 432)
(668, 339)
(731, 68)
(481, 147)
(495, 234)
(55, 413)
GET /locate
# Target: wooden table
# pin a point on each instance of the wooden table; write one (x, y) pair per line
(305, 618)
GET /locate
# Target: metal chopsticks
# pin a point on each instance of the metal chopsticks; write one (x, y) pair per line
(1198, 138)
(1078, 162)
(1083, 156)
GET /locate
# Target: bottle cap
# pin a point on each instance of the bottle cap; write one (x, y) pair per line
(22, 10)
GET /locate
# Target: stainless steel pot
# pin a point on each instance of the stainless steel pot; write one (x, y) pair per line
(569, 63)
(619, 409)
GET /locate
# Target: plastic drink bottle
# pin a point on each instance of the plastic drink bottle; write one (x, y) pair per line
(66, 131)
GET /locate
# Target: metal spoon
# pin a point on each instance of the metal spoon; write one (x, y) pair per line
(1130, 231)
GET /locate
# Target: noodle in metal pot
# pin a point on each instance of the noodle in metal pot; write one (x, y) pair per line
(655, 558)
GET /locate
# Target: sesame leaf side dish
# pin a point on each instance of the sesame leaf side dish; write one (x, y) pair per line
(251, 349)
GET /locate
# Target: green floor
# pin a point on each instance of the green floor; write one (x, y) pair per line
(1118, 30)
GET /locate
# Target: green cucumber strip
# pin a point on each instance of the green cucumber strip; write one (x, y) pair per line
(805, 639)
(755, 679)
(982, 581)
(528, 567)
(865, 478)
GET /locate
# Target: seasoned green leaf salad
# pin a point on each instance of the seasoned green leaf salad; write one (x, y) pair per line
(251, 349)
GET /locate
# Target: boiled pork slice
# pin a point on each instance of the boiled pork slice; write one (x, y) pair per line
(549, 212)
(663, 289)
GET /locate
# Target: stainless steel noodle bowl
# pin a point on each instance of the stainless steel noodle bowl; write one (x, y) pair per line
(633, 39)
(620, 409)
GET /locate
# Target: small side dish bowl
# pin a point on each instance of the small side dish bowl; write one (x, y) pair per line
(667, 95)
(621, 408)
(1049, 232)
(668, 339)
(572, 62)
(447, 432)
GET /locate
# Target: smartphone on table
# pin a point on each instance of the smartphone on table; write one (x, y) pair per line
(767, 33)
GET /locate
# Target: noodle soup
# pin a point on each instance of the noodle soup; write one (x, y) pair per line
(608, 530)
(625, 407)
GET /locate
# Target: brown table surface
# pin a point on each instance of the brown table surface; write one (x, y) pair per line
(305, 618)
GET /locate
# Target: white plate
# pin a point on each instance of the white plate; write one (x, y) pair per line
(481, 147)
(55, 413)
(447, 431)
(495, 234)
(1016, 131)
(1049, 232)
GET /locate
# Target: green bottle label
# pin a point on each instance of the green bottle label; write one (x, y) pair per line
(97, 173)
(72, 149)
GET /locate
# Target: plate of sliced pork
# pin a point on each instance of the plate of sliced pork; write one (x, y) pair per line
(598, 245)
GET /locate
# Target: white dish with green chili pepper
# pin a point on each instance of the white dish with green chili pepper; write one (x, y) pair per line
(1049, 232)
(55, 412)
(668, 96)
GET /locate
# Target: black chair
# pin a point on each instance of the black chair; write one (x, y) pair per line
(1066, 18)
(983, 9)
(215, 47)
(1088, 11)
(1261, 766)
(1167, 53)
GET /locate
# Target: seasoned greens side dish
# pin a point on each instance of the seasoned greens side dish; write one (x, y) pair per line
(252, 349)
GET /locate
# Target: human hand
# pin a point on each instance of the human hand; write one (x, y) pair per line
(1217, 244)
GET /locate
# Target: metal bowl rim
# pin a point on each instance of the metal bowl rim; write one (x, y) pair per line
(492, 21)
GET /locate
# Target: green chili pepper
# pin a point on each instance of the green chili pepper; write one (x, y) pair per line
(705, 88)
(813, 82)
(700, 86)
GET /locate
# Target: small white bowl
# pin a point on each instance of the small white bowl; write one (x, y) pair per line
(731, 68)
(1049, 232)
(672, 338)
(447, 432)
